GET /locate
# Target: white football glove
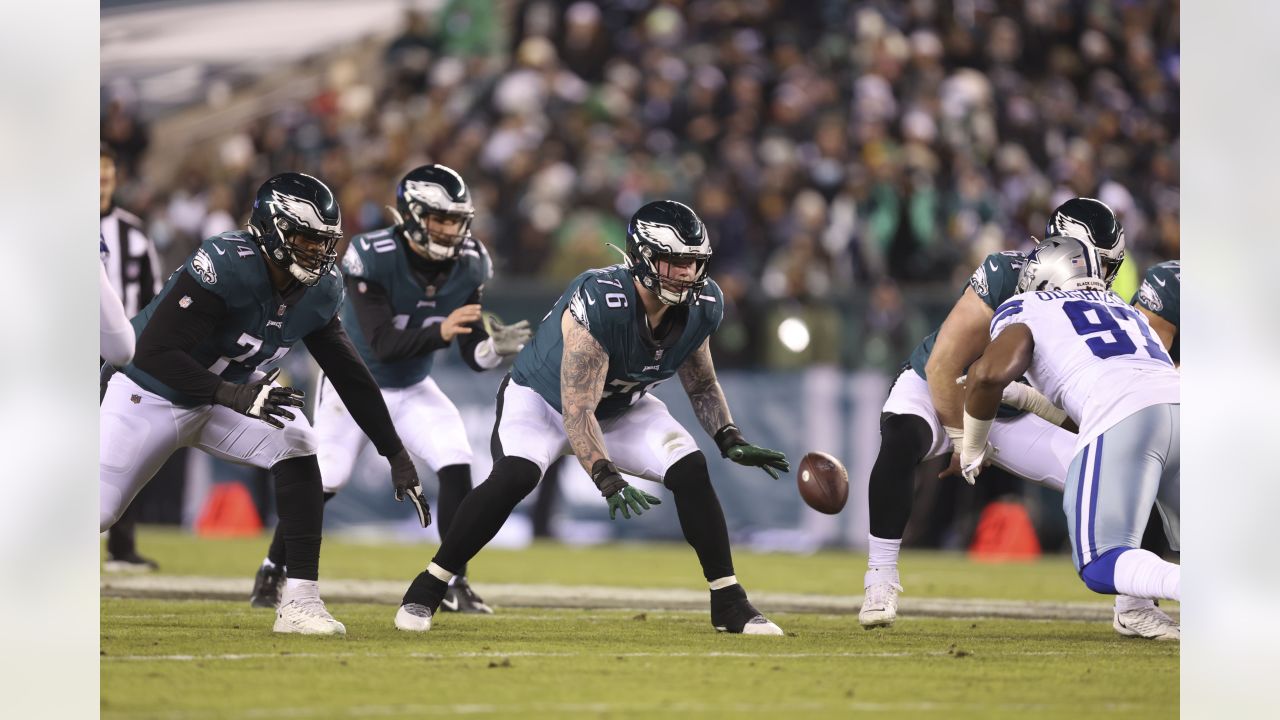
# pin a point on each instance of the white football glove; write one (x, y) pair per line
(508, 339)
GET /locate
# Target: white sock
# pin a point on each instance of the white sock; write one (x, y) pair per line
(293, 588)
(1142, 574)
(1124, 603)
(724, 582)
(439, 573)
(882, 553)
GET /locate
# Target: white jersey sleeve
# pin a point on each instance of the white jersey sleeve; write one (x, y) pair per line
(115, 334)
(1094, 356)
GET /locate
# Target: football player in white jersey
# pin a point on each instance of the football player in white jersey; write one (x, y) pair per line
(1091, 354)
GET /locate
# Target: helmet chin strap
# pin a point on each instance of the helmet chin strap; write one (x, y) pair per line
(303, 275)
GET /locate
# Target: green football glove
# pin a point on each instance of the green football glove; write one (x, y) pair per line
(733, 446)
(618, 492)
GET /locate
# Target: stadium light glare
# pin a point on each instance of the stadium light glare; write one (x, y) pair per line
(794, 334)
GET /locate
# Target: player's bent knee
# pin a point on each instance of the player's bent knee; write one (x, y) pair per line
(515, 475)
(1100, 574)
(905, 437)
(687, 471)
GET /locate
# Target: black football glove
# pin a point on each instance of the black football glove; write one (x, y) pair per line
(733, 446)
(404, 478)
(618, 492)
(259, 399)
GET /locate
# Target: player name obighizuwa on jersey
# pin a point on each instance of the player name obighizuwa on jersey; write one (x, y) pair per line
(1089, 347)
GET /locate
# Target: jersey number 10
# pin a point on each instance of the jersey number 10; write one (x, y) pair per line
(1090, 318)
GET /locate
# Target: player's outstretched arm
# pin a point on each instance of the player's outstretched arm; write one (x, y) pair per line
(488, 341)
(116, 342)
(961, 339)
(698, 375)
(377, 321)
(583, 369)
(1006, 359)
(337, 357)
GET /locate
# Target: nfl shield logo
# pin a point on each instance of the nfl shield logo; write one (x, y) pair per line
(280, 311)
(657, 355)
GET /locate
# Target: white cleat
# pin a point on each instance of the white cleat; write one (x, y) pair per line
(761, 625)
(880, 599)
(307, 615)
(1146, 622)
(413, 618)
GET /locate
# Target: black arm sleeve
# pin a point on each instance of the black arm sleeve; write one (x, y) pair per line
(389, 343)
(467, 343)
(164, 349)
(340, 362)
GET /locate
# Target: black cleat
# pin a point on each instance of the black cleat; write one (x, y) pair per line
(131, 563)
(731, 612)
(461, 598)
(267, 586)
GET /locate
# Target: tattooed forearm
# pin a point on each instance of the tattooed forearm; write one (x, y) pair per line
(698, 375)
(583, 368)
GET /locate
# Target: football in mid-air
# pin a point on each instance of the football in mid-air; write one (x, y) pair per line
(823, 482)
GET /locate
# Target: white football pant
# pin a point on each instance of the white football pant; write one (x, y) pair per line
(427, 421)
(1027, 445)
(645, 441)
(139, 430)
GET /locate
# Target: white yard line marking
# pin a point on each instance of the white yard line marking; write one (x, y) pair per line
(510, 710)
(522, 653)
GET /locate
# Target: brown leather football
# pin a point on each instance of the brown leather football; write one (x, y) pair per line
(823, 482)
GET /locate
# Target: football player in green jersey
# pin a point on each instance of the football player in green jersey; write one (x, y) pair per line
(923, 415)
(412, 289)
(239, 302)
(582, 387)
(1159, 299)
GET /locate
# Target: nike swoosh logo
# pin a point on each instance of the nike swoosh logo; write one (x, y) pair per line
(451, 605)
(993, 266)
(1160, 282)
(590, 300)
(220, 250)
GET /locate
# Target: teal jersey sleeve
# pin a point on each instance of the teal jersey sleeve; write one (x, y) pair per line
(1161, 290)
(370, 255)
(710, 303)
(228, 265)
(996, 279)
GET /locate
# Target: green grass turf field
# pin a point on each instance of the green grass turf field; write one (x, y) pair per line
(212, 659)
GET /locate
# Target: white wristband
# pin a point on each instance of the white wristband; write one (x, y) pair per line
(974, 442)
(486, 356)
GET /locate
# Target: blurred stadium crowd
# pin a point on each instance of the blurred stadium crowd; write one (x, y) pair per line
(831, 147)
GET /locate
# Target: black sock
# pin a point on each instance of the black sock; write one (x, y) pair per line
(275, 553)
(478, 519)
(122, 537)
(701, 517)
(455, 483)
(904, 439)
(300, 503)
